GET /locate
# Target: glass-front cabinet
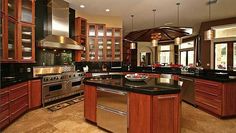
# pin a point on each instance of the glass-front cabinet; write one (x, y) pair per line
(11, 39)
(106, 43)
(12, 8)
(26, 42)
(27, 11)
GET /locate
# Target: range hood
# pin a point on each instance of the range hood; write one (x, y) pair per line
(57, 27)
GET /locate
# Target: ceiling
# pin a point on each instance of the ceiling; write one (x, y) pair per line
(192, 12)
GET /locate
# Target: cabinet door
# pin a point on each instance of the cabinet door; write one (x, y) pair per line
(1, 36)
(11, 8)
(11, 40)
(101, 54)
(27, 11)
(90, 103)
(109, 49)
(117, 49)
(91, 49)
(26, 42)
(35, 94)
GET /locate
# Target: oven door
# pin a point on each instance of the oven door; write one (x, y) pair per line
(75, 84)
(52, 90)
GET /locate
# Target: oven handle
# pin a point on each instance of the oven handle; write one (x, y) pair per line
(111, 91)
(111, 110)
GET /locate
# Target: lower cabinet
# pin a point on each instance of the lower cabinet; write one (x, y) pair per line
(216, 97)
(4, 108)
(90, 103)
(35, 95)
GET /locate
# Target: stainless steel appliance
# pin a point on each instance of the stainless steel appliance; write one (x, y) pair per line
(188, 93)
(59, 82)
(112, 110)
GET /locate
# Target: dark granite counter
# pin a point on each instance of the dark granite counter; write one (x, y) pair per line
(12, 80)
(151, 86)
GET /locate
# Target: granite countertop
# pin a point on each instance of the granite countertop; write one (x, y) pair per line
(151, 86)
(12, 80)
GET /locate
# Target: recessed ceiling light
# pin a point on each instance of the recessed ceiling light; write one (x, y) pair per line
(82, 6)
(107, 10)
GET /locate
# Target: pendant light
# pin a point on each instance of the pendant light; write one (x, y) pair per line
(154, 35)
(132, 44)
(178, 40)
(209, 34)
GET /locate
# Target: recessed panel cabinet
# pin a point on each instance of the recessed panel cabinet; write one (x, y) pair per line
(17, 31)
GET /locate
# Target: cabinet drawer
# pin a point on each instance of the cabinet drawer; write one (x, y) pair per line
(18, 91)
(4, 112)
(18, 104)
(208, 106)
(209, 89)
(4, 123)
(4, 98)
(208, 99)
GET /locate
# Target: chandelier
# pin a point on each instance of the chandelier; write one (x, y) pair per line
(155, 38)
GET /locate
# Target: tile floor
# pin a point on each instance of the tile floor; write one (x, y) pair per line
(70, 120)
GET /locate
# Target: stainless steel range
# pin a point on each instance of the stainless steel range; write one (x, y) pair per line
(59, 82)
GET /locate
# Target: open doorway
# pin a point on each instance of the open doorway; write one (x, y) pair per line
(145, 59)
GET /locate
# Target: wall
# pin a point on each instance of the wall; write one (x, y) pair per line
(110, 21)
(144, 47)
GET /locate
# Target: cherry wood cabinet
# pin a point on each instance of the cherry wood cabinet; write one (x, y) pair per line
(216, 97)
(35, 94)
(13, 102)
(80, 37)
(17, 31)
(104, 43)
(90, 103)
(166, 113)
(140, 113)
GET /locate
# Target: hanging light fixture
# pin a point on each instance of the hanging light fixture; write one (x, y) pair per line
(155, 36)
(178, 40)
(209, 34)
(132, 44)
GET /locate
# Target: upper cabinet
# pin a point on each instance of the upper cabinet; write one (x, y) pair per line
(17, 31)
(104, 44)
(27, 11)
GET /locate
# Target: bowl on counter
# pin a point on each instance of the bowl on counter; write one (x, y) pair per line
(136, 77)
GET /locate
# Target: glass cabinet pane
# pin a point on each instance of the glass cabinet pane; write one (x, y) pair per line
(92, 30)
(26, 14)
(109, 32)
(109, 48)
(12, 8)
(11, 40)
(221, 56)
(100, 30)
(91, 49)
(100, 48)
(1, 31)
(83, 27)
(117, 49)
(26, 42)
(117, 33)
(234, 56)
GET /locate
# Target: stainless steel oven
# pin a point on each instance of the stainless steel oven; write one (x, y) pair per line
(112, 110)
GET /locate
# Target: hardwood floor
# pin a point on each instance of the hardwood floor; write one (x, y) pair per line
(70, 120)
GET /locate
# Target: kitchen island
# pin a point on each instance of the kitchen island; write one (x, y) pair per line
(119, 105)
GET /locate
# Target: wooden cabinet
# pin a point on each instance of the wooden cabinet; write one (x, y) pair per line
(17, 31)
(140, 113)
(154, 114)
(80, 37)
(35, 94)
(2, 34)
(166, 113)
(216, 97)
(104, 44)
(26, 42)
(14, 102)
(90, 103)
(4, 108)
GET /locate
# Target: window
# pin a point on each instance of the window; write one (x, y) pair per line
(221, 56)
(165, 54)
(234, 56)
(187, 53)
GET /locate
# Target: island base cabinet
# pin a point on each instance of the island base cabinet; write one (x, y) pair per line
(154, 114)
(90, 103)
(140, 113)
(166, 114)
